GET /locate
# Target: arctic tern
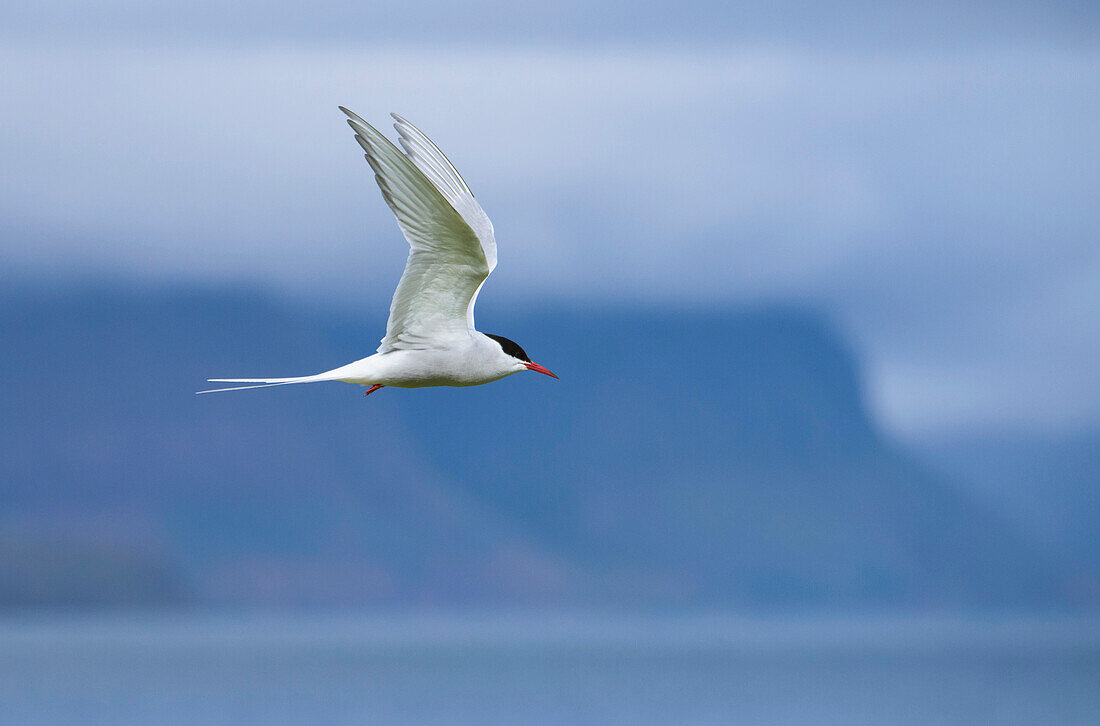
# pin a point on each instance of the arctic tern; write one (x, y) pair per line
(430, 336)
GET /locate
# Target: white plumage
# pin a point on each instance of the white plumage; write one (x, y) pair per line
(430, 337)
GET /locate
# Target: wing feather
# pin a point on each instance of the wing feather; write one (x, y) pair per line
(438, 168)
(451, 245)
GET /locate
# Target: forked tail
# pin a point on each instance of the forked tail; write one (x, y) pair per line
(263, 382)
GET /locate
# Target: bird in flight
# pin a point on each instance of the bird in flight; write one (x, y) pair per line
(430, 336)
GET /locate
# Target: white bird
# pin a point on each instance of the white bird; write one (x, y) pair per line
(430, 336)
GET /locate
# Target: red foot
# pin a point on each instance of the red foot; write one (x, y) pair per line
(372, 389)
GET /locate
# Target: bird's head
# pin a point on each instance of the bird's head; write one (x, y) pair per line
(518, 356)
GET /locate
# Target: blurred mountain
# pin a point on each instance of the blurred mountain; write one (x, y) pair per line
(1046, 486)
(690, 458)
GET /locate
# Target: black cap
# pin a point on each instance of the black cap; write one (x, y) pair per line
(510, 347)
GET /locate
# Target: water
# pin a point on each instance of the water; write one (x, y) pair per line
(507, 669)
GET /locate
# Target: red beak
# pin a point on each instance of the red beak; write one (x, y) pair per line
(539, 369)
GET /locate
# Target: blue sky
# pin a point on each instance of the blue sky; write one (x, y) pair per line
(928, 175)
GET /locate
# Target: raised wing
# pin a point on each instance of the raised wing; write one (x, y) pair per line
(451, 243)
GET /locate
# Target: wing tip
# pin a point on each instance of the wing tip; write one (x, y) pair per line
(365, 133)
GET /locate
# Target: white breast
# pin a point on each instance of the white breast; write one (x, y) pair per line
(470, 363)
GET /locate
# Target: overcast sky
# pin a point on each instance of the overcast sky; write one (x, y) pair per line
(929, 177)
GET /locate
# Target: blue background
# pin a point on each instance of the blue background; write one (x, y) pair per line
(821, 281)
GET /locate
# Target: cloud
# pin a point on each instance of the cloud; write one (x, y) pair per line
(940, 204)
(845, 23)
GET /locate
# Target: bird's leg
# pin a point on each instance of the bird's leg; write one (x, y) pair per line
(373, 388)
